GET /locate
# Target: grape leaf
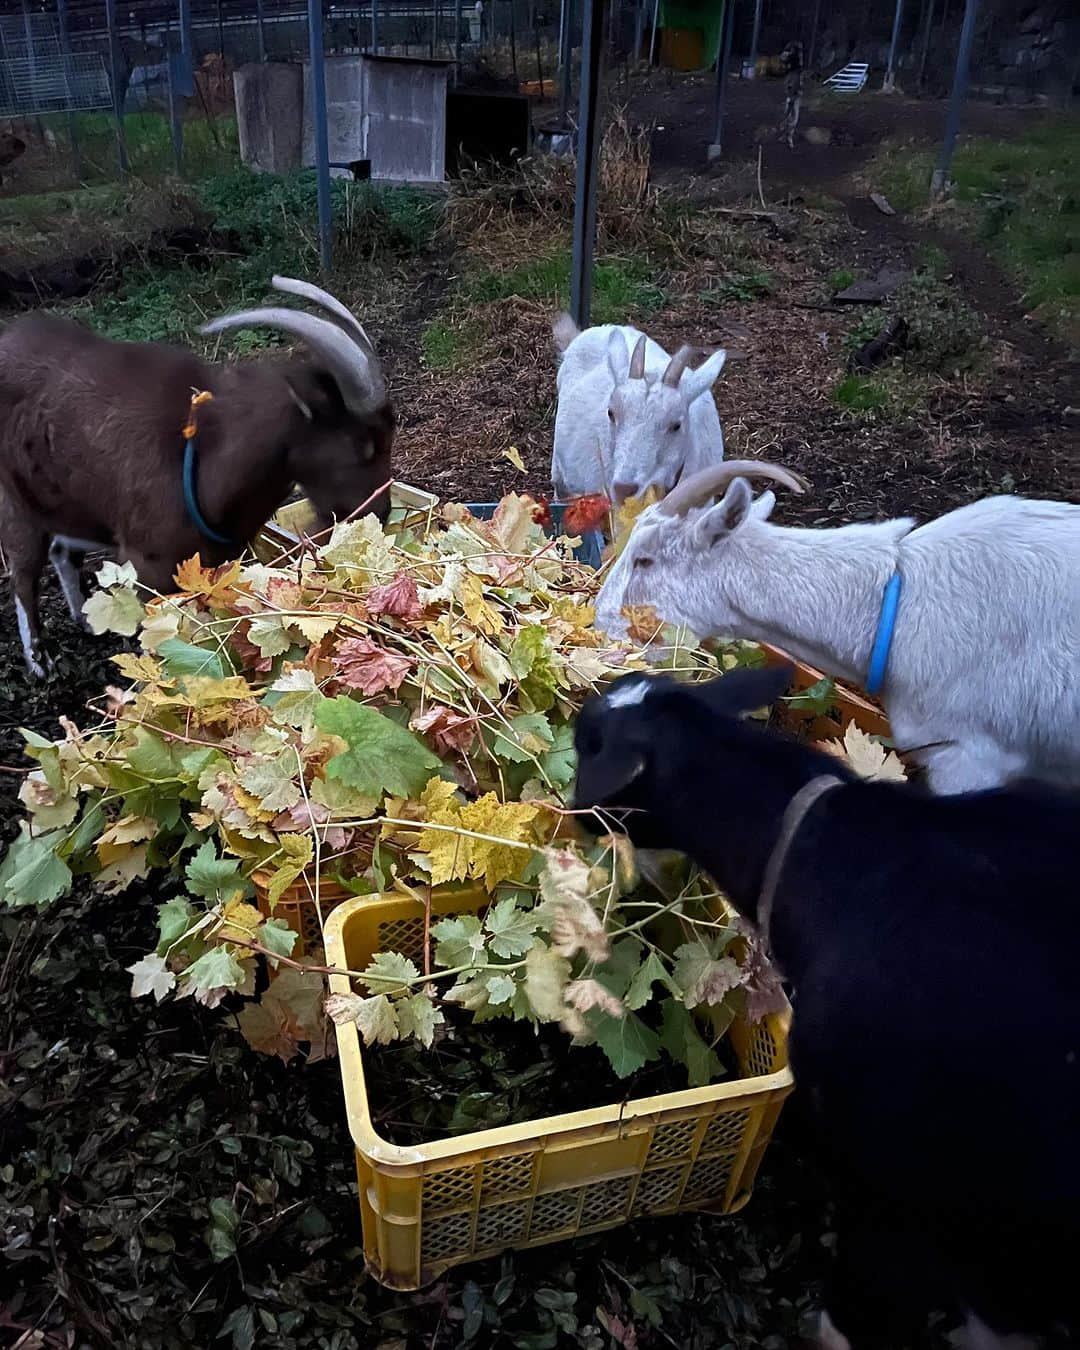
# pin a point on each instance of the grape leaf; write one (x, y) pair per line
(115, 611)
(531, 662)
(500, 988)
(418, 1016)
(272, 780)
(460, 941)
(389, 973)
(702, 977)
(184, 658)
(559, 762)
(151, 976)
(276, 936)
(528, 737)
(627, 1041)
(174, 918)
(299, 852)
(382, 757)
(511, 929)
(295, 699)
(268, 633)
(364, 665)
(397, 597)
(651, 970)
(376, 1019)
(208, 875)
(546, 975)
(112, 573)
(217, 968)
(681, 1039)
(31, 873)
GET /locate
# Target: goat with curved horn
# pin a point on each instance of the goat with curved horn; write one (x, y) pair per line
(357, 373)
(709, 483)
(330, 303)
(637, 360)
(677, 365)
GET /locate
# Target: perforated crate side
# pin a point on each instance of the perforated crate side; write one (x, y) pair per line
(296, 907)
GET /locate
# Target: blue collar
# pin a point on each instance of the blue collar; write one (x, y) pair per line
(191, 498)
(886, 625)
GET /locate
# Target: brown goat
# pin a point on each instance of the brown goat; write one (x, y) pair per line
(92, 445)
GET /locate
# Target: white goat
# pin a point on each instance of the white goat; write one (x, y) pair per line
(630, 417)
(983, 675)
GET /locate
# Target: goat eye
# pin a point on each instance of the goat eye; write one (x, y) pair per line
(611, 415)
(643, 562)
(675, 426)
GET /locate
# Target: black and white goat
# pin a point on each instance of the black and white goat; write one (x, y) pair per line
(932, 946)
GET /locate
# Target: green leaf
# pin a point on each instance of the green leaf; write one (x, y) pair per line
(530, 660)
(529, 736)
(208, 876)
(511, 929)
(116, 611)
(627, 1041)
(382, 757)
(389, 973)
(220, 1235)
(184, 658)
(819, 698)
(560, 762)
(272, 780)
(276, 936)
(31, 873)
(702, 975)
(640, 990)
(299, 852)
(150, 756)
(500, 989)
(377, 1019)
(217, 968)
(88, 830)
(620, 967)
(241, 1323)
(268, 633)
(295, 700)
(460, 941)
(175, 917)
(418, 1016)
(681, 1039)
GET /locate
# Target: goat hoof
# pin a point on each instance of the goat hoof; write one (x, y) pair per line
(39, 664)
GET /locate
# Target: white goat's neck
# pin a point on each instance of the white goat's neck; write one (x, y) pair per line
(814, 593)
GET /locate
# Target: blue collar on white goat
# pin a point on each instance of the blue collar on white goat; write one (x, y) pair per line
(886, 626)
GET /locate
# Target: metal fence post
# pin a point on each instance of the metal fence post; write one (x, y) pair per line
(956, 99)
(639, 29)
(457, 40)
(723, 60)
(374, 25)
(117, 95)
(754, 41)
(174, 113)
(318, 122)
(69, 87)
(812, 44)
(566, 48)
(890, 70)
(581, 270)
(260, 19)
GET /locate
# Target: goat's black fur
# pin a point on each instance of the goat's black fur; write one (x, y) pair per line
(932, 944)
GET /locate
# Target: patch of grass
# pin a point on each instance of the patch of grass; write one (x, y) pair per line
(743, 286)
(943, 334)
(1022, 196)
(933, 260)
(839, 279)
(622, 287)
(860, 394)
(211, 145)
(867, 327)
(447, 345)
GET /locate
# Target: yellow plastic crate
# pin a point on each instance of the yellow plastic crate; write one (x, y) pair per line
(409, 506)
(426, 1208)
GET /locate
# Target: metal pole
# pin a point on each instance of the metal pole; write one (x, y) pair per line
(260, 19)
(118, 98)
(722, 63)
(592, 50)
(655, 30)
(374, 25)
(457, 40)
(812, 44)
(318, 121)
(174, 116)
(185, 28)
(639, 29)
(925, 45)
(69, 86)
(890, 69)
(220, 32)
(754, 41)
(434, 43)
(956, 99)
(513, 45)
(566, 47)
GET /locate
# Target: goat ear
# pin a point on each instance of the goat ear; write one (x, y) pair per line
(618, 356)
(700, 381)
(744, 691)
(763, 506)
(723, 519)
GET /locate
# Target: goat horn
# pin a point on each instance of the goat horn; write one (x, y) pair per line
(709, 483)
(358, 375)
(330, 303)
(677, 365)
(637, 360)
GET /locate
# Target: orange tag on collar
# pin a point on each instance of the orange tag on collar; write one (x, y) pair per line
(198, 398)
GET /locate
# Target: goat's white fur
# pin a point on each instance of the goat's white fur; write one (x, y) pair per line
(986, 649)
(638, 449)
(976, 1335)
(828, 1337)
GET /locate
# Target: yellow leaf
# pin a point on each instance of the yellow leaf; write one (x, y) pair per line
(479, 613)
(116, 841)
(513, 454)
(214, 584)
(127, 865)
(315, 627)
(143, 669)
(512, 821)
(239, 920)
(440, 800)
(626, 515)
(490, 665)
(298, 851)
(868, 758)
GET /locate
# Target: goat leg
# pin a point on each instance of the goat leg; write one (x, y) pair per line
(67, 561)
(27, 550)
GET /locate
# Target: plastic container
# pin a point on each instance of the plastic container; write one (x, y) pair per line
(426, 1208)
(300, 910)
(408, 506)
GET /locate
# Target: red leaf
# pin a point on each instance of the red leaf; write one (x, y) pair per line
(397, 597)
(542, 512)
(449, 730)
(585, 513)
(363, 665)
